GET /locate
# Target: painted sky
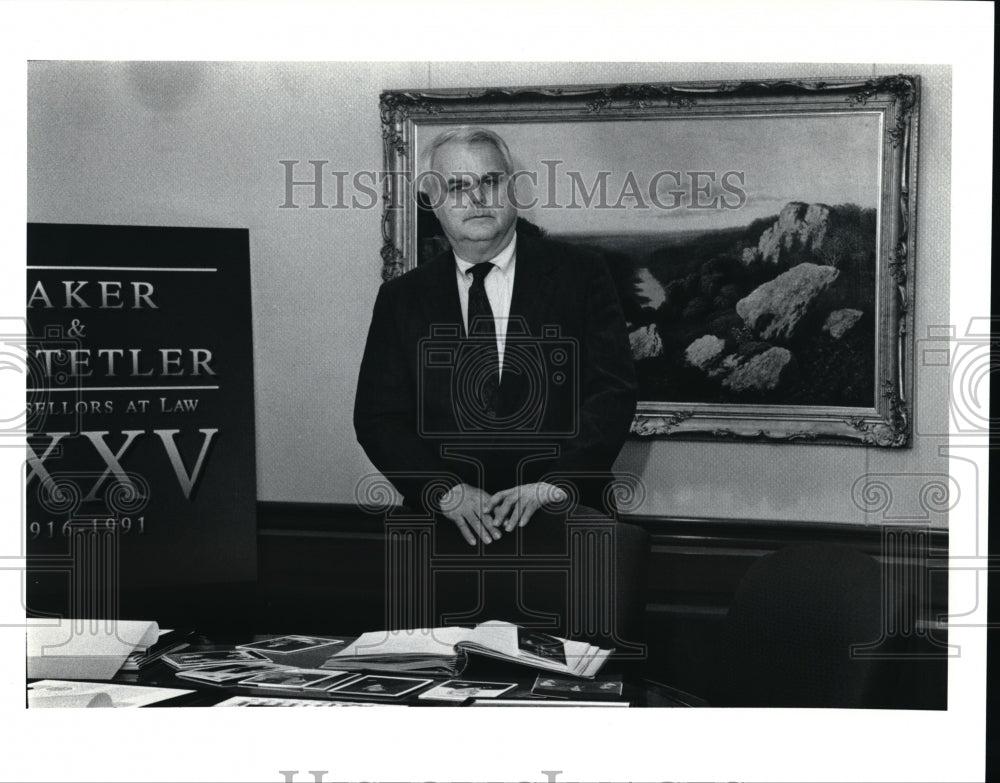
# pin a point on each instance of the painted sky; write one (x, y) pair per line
(831, 158)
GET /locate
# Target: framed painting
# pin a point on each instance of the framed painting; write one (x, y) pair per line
(759, 236)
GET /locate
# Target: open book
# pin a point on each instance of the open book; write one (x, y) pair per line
(440, 650)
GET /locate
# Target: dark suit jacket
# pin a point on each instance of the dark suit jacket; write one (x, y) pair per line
(567, 395)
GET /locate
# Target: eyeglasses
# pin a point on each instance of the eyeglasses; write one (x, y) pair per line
(466, 183)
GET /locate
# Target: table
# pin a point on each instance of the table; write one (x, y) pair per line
(637, 690)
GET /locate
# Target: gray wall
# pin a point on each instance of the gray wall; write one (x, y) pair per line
(199, 145)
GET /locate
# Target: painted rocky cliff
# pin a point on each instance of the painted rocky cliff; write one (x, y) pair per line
(781, 312)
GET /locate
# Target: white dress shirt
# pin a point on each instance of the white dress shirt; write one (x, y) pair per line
(499, 285)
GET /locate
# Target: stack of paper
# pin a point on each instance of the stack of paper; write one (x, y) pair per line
(199, 659)
(84, 649)
(169, 641)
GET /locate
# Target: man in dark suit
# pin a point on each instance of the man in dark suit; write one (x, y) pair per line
(497, 378)
(495, 392)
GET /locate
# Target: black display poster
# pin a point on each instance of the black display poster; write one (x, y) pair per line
(139, 487)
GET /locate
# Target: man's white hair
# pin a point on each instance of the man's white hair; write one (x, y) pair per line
(466, 134)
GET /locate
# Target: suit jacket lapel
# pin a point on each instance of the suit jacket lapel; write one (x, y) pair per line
(532, 284)
(440, 301)
(532, 290)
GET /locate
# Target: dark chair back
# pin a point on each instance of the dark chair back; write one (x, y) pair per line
(790, 631)
(631, 577)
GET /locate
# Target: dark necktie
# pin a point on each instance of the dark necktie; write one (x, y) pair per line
(482, 331)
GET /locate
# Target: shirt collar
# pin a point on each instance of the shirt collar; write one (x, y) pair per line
(501, 260)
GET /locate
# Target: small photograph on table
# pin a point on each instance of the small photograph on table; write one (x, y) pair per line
(225, 674)
(199, 659)
(282, 645)
(460, 690)
(380, 687)
(567, 688)
(291, 679)
(330, 680)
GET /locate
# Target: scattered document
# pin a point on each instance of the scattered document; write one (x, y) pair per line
(67, 693)
(259, 701)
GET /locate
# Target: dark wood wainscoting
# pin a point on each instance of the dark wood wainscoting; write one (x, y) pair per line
(321, 566)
